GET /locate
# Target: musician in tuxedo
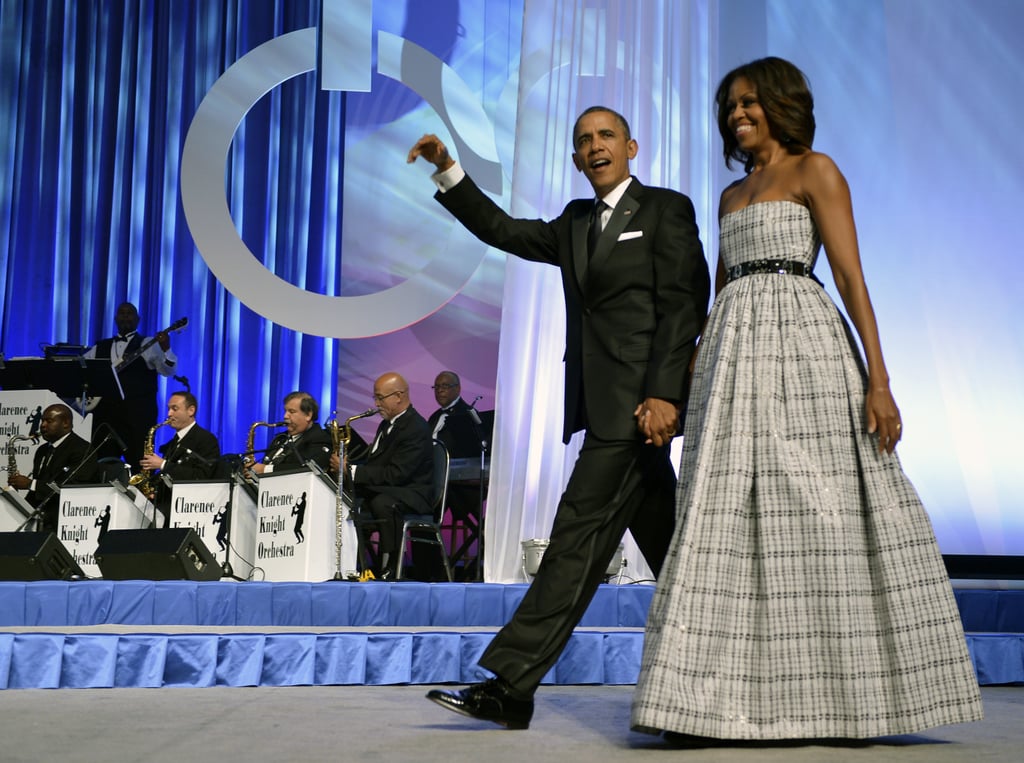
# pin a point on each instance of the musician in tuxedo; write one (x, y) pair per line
(397, 477)
(452, 422)
(133, 416)
(64, 457)
(305, 440)
(193, 453)
(636, 289)
(454, 425)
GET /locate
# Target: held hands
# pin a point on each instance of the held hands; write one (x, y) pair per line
(433, 150)
(657, 420)
(884, 417)
(19, 482)
(164, 340)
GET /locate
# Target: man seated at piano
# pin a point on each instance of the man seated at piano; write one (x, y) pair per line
(452, 423)
(457, 424)
(193, 453)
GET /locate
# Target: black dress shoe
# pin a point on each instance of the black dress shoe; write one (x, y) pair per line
(491, 700)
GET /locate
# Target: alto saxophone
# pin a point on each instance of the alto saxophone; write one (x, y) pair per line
(12, 453)
(144, 479)
(340, 438)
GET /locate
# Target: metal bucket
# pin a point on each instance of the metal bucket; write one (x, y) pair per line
(533, 552)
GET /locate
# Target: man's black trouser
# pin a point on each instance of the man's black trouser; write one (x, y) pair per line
(614, 486)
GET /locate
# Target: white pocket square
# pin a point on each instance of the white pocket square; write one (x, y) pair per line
(630, 234)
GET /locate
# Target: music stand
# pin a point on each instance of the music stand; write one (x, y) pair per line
(22, 507)
(66, 377)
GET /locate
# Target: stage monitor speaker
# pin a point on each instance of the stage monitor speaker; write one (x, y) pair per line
(174, 553)
(36, 556)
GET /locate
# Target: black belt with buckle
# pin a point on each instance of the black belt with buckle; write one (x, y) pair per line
(782, 267)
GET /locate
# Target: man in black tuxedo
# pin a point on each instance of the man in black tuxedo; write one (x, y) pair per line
(132, 417)
(397, 477)
(193, 453)
(63, 457)
(454, 425)
(636, 291)
(305, 440)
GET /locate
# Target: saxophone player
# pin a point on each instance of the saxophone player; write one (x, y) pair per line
(63, 457)
(193, 453)
(397, 478)
(304, 441)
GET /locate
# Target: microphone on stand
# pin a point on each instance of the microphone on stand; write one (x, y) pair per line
(291, 447)
(200, 458)
(477, 423)
(473, 412)
(114, 436)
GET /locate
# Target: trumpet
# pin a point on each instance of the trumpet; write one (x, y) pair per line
(12, 453)
(144, 479)
(340, 438)
(248, 457)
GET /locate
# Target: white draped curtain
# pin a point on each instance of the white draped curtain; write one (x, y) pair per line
(647, 60)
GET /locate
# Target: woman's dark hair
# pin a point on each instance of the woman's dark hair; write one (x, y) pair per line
(785, 98)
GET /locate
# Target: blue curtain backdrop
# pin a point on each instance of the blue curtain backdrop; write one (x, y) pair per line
(95, 103)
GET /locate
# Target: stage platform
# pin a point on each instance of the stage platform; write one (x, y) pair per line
(95, 633)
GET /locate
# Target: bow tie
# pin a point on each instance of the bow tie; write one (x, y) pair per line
(124, 337)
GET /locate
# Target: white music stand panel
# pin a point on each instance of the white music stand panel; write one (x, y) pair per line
(83, 517)
(200, 505)
(295, 536)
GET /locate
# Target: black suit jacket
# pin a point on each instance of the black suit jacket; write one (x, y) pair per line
(312, 445)
(203, 461)
(403, 464)
(58, 469)
(633, 311)
(182, 465)
(459, 433)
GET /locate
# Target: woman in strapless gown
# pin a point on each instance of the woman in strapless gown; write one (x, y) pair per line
(804, 595)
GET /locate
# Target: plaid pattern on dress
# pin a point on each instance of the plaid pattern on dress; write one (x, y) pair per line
(804, 595)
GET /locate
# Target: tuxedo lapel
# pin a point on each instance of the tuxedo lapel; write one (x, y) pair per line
(580, 227)
(45, 457)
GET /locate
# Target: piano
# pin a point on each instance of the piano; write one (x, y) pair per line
(468, 469)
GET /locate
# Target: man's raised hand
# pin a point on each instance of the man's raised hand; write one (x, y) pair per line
(432, 150)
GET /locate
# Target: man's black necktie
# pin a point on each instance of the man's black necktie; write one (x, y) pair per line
(171, 447)
(382, 432)
(595, 227)
(47, 457)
